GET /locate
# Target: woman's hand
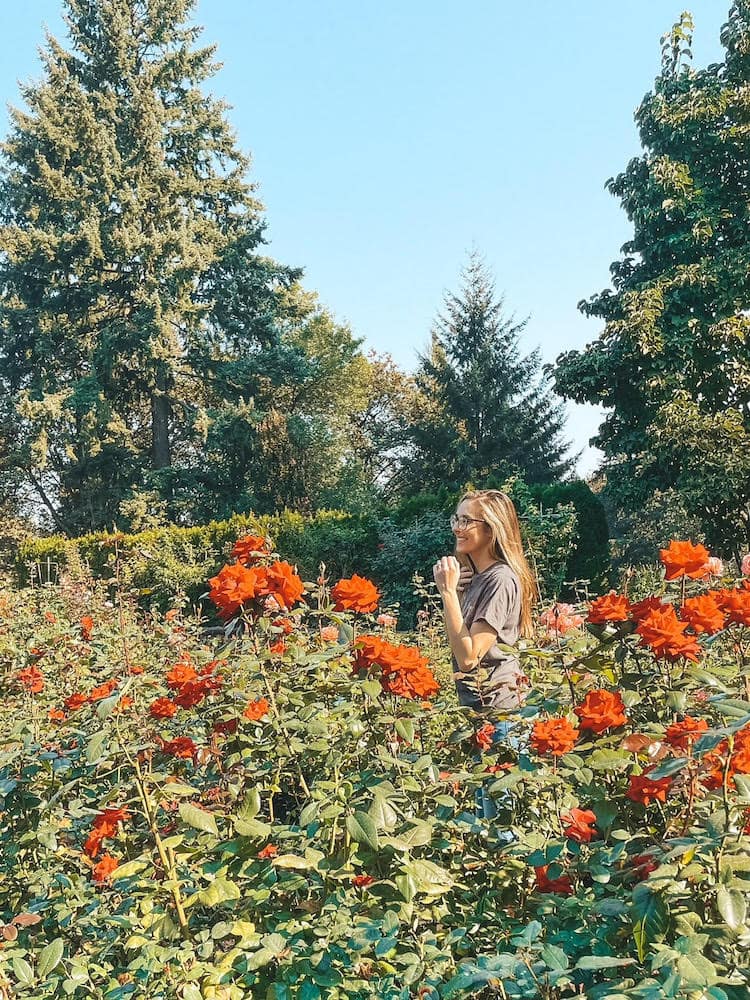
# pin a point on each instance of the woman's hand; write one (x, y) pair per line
(467, 575)
(447, 572)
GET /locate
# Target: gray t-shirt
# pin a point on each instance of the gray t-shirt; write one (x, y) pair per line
(494, 596)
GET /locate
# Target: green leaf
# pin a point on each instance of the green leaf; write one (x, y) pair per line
(252, 828)
(50, 957)
(293, 861)
(430, 879)
(732, 906)
(362, 829)
(128, 869)
(405, 729)
(696, 970)
(106, 707)
(220, 890)
(198, 818)
(668, 767)
(650, 917)
(554, 957)
(382, 813)
(95, 746)
(250, 805)
(601, 962)
(22, 971)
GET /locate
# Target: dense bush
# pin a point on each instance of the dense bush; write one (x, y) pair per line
(284, 816)
(589, 559)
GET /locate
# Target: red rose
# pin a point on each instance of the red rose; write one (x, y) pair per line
(269, 851)
(162, 708)
(664, 633)
(703, 614)
(355, 594)
(553, 736)
(682, 735)
(251, 548)
(685, 559)
(610, 607)
(181, 747)
(601, 710)
(362, 881)
(255, 710)
(32, 679)
(578, 825)
(647, 790)
(561, 886)
(485, 737)
(104, 869)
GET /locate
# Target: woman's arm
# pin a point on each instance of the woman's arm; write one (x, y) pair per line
(467, 645)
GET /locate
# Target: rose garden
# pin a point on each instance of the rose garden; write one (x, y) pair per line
(284, 807)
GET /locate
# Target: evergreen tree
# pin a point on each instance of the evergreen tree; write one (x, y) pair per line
(484, 408)
(133, 299)
(672, 365)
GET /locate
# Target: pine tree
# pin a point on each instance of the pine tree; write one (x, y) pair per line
(485, 409)
(672, 365)
(132, 294)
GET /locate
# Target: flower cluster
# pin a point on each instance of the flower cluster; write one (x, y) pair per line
(236, 585)
(403, 670)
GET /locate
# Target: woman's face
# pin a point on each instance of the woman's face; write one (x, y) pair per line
(472, 533)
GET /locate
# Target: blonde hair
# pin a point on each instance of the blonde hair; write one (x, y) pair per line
(501, 518)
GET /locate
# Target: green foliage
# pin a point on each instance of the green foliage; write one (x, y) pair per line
(671, 365)
(484, 409)
(589, 557)
(328, 845)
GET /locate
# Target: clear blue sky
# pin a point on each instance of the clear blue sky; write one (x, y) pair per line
(389, 138)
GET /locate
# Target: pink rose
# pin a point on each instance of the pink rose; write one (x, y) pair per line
(714, 566)
(746, 565)
(330, 633)
(387, 621)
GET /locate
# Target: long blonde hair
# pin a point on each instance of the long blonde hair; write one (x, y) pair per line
(501, 518)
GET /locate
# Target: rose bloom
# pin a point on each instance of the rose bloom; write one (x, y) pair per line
(56, 715)
(555, 736)
(560, 886)
(664, 633)
(286, 624)
(32, 679)
(601, 710)
(643, 865)
(234, 585)
(485, 737)
(703, 614)
(746, 565)
(107, 820)
(181, 747)
(406, 673)
(682, 735)
(284, 584)
(639, 610)
(103, 870)
(278, 648)
(180, 674)
(362, 881)
(103, 691)
(741, 751)
(387, 621)
(251, 548)
(610, 607)
(714, 567)
(269, 851)
(684, 559)
(561, 618)
(355, 594)
(647, 790)
(330, 633)
(255, 710)
(87, 627)
(225, 727)
(370, 650)
(578, 825)
(135, 671)
(736, 605)
(162, 708)
(75, 701)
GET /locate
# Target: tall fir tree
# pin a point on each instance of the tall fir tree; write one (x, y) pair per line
(672, 364)
(133, 296)
(485, 409)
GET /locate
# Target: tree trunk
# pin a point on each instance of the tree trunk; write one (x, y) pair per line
(161, 456)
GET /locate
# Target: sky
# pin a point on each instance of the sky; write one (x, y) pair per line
(388, 139)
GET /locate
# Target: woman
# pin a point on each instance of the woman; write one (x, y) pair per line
(497, 590)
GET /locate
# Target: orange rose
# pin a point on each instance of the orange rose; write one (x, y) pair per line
(75, 701)
(251, 548)
(162, 708)
(180, 674)
(685, 559)
(181, 747)
(741, 751)
(682, 735)
(87, 627)
(234, 585)
(269, 851)
(601, 710)
(610, 607)
(553, 736)
(284, 584)
(703, 614)
(32, 679)
(103, 691)
(736, 605)
(485, 737)
(329, 633)
(104, 869)
(362, 881)
(255, 710)
(664, 633)
(578, 825)
(278, 648)
(647, 790)
(561, 886)
(355, 594)
(639, 610)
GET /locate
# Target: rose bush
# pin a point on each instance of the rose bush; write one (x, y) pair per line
(289, 811)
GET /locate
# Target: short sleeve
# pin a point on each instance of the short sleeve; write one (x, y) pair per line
(496, 605)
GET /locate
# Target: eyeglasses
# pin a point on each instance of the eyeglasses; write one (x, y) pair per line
(463, 522)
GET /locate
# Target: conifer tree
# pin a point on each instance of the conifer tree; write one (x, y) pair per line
(485, 409)
(133, 296)
(672, 365)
